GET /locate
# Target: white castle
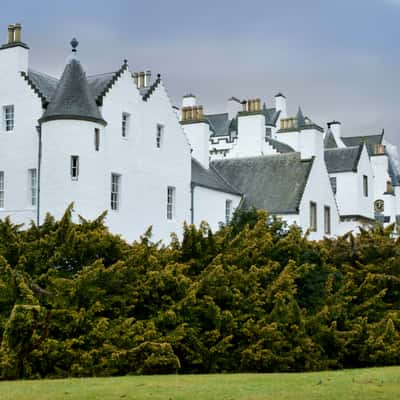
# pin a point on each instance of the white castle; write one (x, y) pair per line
(114, 142)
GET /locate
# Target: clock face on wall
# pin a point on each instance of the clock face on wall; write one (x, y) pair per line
(379, 206)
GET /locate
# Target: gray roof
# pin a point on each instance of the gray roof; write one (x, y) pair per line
(370, 141)
(274, 183)
(330, 141)
(221, 125)
(46, 84)
(343, 159)
(393, 173)
(279, 146)
(72, 98)
(210, 178)
(271, 115)
(99, 83)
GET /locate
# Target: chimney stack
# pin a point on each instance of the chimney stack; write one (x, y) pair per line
(280, 105)
(233, 107)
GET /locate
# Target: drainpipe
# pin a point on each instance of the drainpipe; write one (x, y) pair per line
(39, 131)
(192, 203)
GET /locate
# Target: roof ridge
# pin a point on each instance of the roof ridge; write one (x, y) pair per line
(225, 180)
(42, 73)
(102, 73)
(294, 154)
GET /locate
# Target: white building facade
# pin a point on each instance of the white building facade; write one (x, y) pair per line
(113, 142)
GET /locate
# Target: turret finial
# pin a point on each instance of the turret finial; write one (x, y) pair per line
(74, 44)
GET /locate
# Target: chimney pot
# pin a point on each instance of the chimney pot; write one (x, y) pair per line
(17, 32)
(148, 78)
(141, 79)
(11, 33)
(135, 78)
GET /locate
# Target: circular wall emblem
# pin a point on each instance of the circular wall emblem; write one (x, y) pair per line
(379, 206)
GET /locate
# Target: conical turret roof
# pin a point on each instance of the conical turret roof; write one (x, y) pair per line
(72, 98)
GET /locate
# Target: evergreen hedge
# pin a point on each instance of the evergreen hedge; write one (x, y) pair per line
(255, 296)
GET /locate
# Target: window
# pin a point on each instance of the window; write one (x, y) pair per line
(170, 202)
(365, 185)
(327, 220)
(96, 139)
(1, 189)
(74, 167)
(333, 184)
(115, 191)
(228, 211)
(313, 216)
(32, 176)
(8, 117)
(268, 132)
(125, 124)
(160, 134)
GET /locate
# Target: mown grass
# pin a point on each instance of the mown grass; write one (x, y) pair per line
(361, 384)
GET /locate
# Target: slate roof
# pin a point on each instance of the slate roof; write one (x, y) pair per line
(330, 141)
(99, 83)
(393, 173)
(220, 124)
(46, 84)
(343, 159)
(274, 183)
(73, 98)
(271, 115)
(279, 146)
(210, 178)
(370, 141)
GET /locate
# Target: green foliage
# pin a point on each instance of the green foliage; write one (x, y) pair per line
(256, 295)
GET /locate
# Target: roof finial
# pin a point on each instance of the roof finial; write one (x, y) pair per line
(74, 44)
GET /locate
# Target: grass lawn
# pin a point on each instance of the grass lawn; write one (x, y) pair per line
(362, 384)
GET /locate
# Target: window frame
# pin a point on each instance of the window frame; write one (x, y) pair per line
(115, 191)
(32, 187)
(313, 216)
(160, 135)
(171, 202)
(2, 189)
(327, 220)
(228, 211)
(96, 139)
(333, 182)
(365, 185)
(7, 119)
(74, 168)
(125, 124)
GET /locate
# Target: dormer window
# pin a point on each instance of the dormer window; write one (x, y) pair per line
(125, 124)
(8, 118)
(160, 134)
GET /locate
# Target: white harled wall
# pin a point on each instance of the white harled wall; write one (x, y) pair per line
(318, 190)
(214, 214)
(18, 148)
(350, 189)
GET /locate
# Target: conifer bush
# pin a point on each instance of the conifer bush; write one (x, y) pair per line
(255, 296)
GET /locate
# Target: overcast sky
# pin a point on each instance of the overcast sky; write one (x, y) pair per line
(337, 59)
